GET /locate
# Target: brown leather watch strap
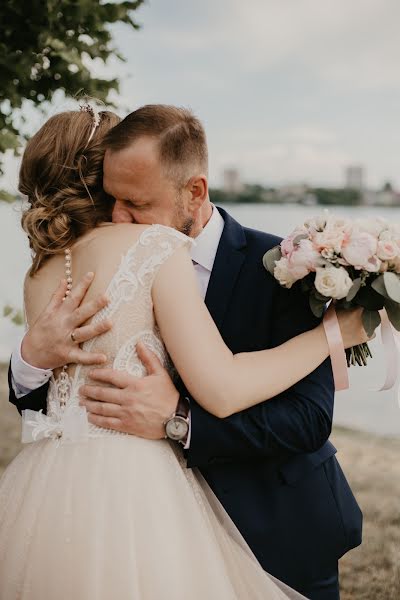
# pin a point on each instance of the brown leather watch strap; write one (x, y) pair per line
(183, 408)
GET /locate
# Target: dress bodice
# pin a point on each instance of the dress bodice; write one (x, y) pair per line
(130, 308)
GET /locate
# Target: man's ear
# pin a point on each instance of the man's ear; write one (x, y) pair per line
(197, 187)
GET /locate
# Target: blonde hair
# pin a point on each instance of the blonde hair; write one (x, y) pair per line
(62, 176)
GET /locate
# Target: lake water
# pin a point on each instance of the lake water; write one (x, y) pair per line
(359, 407)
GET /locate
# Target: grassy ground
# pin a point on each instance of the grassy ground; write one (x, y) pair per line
(372, 464)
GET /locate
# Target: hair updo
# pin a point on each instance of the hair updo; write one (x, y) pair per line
(62, 176)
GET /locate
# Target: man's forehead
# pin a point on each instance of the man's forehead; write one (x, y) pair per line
(141, 152)
(128, 168)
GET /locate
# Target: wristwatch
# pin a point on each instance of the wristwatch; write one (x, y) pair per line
(177, 426)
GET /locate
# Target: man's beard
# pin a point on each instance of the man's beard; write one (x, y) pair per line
(182, 223)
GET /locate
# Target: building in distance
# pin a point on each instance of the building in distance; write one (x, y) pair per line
(232, 181)
(355, 177)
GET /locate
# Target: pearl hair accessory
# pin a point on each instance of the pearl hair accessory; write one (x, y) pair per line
(95, 114)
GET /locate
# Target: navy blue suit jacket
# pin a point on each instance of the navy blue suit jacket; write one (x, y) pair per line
(271, 466)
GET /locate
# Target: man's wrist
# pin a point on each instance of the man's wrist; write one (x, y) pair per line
(30, 355)
(26, 377)
(184, 407)
(177, 426)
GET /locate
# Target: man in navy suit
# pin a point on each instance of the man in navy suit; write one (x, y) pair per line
(271, 466)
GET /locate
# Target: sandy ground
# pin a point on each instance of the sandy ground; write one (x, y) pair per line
(372, 465)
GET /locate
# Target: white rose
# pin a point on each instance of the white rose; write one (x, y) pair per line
(283, 274)
(333, 282)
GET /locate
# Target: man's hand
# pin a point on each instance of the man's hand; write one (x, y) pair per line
(134, 405)
(48, 343)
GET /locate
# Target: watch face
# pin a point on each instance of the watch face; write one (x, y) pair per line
(177, 428)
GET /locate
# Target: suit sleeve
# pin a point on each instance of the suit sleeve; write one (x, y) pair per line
(297, 421)
(35, 400)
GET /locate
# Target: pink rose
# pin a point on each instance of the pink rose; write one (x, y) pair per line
(287, 245)
(373, 265)
(283, 273)
(304, 259)
(359, 249)
(330, 239)
(387, 250)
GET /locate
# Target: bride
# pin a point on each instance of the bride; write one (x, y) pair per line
(90, 513)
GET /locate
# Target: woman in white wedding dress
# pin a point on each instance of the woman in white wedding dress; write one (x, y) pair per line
(89, 513)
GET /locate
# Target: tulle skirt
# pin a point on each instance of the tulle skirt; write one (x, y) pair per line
(119, 518)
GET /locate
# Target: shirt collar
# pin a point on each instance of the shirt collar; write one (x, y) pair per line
(206, 246)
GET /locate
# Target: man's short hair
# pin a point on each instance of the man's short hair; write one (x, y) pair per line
(181, 138)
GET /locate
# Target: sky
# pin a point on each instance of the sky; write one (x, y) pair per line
(290, 91)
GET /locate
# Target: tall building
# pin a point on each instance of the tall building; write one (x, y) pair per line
(355, 176)
(232, 183)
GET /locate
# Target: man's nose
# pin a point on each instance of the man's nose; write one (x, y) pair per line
(120, 214)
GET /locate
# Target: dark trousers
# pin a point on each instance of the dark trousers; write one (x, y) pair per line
(324, 589)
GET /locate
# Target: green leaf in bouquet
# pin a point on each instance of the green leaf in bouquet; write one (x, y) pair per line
(317, 306)
(298, 238)
(379, 286)
(369, 298)
(355, 288)
(371, 319)
(271, 257)
(393, 312)
(392, 285)
(321, 297)
(344, 304)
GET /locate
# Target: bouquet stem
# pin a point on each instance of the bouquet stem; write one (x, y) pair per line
(358, 355)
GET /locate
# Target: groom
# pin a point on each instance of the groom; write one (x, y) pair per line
(271, 466)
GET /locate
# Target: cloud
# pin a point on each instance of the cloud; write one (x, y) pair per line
(291, 90)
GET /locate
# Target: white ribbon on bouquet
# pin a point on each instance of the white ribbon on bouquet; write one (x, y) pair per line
(391, 345)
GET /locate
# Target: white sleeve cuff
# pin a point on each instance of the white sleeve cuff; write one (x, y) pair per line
(26, 378)
(187, 445)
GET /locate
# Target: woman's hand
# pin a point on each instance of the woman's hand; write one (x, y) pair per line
(351, 327)
(48, 344)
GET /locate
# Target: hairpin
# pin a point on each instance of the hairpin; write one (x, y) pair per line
(95, 114)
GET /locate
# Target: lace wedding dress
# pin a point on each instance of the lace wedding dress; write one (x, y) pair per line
(91, 514)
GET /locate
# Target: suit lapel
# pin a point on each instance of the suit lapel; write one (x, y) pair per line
(228, 263)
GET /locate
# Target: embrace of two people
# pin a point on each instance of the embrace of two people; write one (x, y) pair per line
(179, 448)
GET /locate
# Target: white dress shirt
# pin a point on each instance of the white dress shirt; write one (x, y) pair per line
(26, 378)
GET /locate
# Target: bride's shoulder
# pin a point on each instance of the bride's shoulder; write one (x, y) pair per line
(116, 236)
(119, 238)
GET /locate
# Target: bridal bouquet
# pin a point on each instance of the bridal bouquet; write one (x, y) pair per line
(353, 263)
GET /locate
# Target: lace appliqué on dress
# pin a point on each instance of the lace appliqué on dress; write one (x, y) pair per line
(131, 309)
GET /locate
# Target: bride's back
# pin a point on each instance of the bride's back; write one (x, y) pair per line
(125, 259)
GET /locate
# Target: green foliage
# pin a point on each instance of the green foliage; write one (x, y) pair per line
(355, 288)
(14, 315)
(343, 196)
(251, 194)
(257, 194)
(7, 197)
(316, 304)
(48, 45)
(271, 257)
(371, 319)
